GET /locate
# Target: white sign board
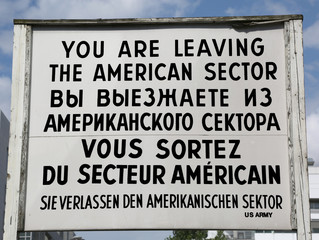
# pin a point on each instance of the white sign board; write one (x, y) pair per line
(158, 127)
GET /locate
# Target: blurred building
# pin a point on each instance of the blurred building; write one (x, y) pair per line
(4, 142)
(243, 235)
(46, 235)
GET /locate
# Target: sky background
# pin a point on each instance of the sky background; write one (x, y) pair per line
(80, 9)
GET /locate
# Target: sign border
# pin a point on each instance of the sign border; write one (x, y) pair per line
(21, 76)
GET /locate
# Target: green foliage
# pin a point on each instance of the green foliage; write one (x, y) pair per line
(220, 235)
(188, 235)
(195, 235)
